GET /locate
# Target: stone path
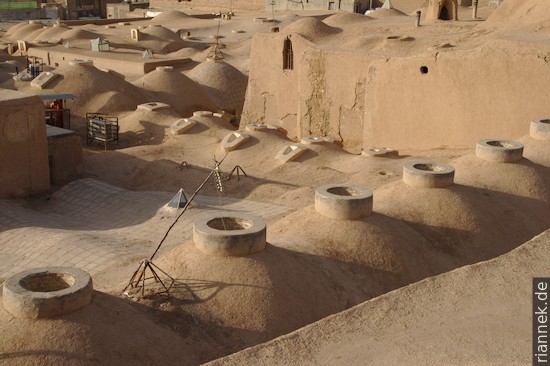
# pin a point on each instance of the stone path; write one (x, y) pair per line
(90, 225)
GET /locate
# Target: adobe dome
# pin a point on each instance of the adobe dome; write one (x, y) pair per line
(224, 83)
(176, 89)
(108, 331)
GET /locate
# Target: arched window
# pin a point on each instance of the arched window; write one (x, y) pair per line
(288, 55)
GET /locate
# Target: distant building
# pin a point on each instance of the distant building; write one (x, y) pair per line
(15, 10)
(222, 5)
(76, 9)
(345, 5)
(121, 10)
(351, 6)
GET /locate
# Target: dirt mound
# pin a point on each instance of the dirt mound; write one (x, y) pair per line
(93, 335)
(385, 13)
(310, 28)
(176, 89)
(343, 19)
(224, 83)
(479, 314)
(97, 91)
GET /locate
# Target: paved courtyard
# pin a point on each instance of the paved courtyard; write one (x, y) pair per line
(90, 225)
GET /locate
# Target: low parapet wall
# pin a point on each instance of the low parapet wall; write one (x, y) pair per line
(58, 56)
(102, 21)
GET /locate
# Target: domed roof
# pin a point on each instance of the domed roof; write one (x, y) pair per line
(224, 83)
(108, 331)
(171, 15)
(77, 33)
(344, 18)
(160, 39)
(259, 296)
(176, 89)
(22, 30)
(310, 28)
(91, 85)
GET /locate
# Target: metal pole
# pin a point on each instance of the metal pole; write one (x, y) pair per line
(418, 13)
(474, 13)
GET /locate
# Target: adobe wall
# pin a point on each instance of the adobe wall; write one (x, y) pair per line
(408, 6)
(319, 97)
(464, 97)
(345, 5)
(222, 5)
(365, 102)
(332, 95)
(272, 95)
(66, 155)
(23, 146)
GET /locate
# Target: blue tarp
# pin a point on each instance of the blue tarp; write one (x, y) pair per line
(57, 96)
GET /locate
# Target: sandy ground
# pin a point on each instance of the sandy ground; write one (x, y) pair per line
(313, 266)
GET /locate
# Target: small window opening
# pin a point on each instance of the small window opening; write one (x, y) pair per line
(288, 55)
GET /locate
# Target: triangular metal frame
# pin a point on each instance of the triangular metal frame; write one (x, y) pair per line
(237, 169)
(140, 276)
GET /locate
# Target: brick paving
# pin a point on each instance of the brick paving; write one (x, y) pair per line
(90, 225)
